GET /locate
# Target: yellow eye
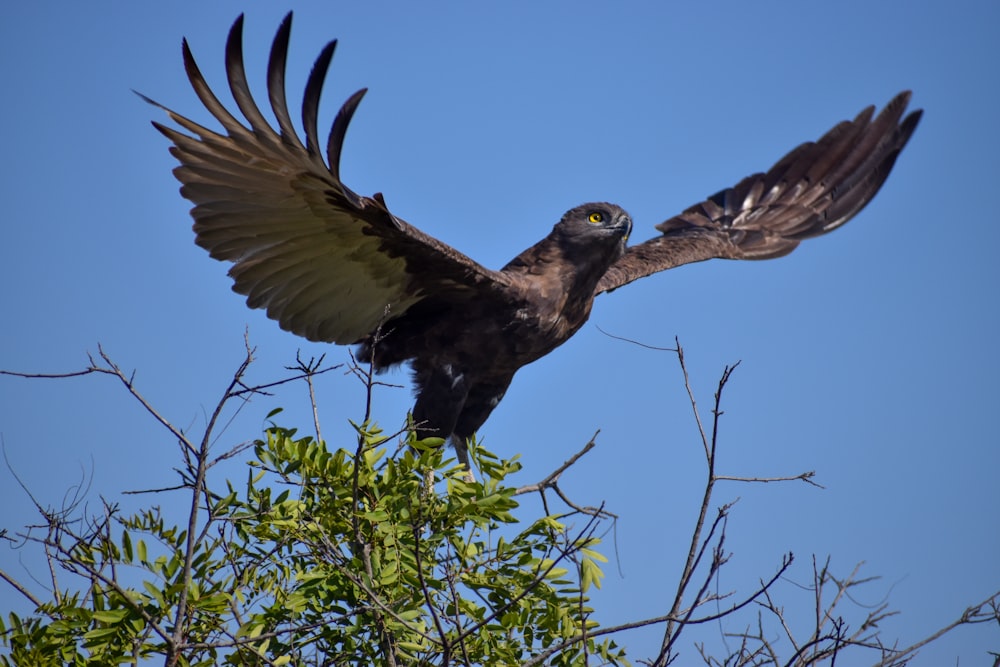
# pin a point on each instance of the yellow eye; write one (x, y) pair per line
(596, 217)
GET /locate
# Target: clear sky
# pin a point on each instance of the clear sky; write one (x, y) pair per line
(868, 355)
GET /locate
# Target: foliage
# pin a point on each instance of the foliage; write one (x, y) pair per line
(329, 556)
(325, 557)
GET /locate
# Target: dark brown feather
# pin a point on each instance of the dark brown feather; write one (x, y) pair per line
(812, 190)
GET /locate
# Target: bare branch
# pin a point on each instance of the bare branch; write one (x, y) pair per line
(669, 637)
(635, 342)
(54, 376)
(806, 477)
(20, 588)
(551, 481)
(113, 369)
(308, 370)
(986, 611)
(552, 478)
(260, 388)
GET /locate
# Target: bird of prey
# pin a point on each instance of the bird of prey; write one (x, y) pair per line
(332, 265)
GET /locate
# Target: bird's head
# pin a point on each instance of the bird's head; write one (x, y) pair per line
(590, 237)
(595, 225)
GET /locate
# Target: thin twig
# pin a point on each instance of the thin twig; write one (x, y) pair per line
(709, 447)
(804, 477)
(635, 342)
(308, 370)
(193, 537)
(20, 588)
(551, 481)
(971, 615)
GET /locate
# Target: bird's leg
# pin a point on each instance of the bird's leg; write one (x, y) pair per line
(479, 403)
(441, 395)
(461, 446)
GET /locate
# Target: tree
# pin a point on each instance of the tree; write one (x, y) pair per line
(385, 552)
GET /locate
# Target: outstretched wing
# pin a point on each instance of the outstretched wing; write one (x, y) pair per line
(325, 262)
(814, 189)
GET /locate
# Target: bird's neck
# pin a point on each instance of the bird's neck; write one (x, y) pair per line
(551, 273)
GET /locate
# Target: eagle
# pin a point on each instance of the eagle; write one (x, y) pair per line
(331, 265)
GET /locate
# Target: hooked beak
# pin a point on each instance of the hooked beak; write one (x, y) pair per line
(624, 223)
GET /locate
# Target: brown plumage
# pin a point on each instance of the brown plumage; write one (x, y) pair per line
(331, 265)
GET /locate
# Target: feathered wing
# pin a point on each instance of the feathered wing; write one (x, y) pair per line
(814, 189)
(323, 261)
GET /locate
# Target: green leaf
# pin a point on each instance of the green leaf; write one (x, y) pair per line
(99, 633)
(110, 616)
(590, 573)
(127, 546)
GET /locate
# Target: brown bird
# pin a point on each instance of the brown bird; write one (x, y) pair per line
(331, 265)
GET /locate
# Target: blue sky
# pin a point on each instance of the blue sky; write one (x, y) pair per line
(868, 355)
